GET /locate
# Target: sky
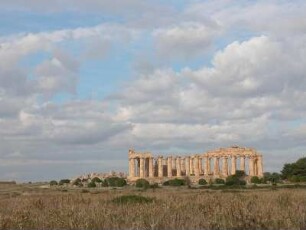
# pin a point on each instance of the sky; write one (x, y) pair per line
(81, 82)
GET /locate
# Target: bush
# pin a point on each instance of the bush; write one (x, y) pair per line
(202, 181)
(64, 181)
(235, 179)
(219, 181)
(294, 178)
(155, 185)
(232, 180)
(302, 178)
(104, 183)
(96, 180)
(142, 183)
(91, 184)
(115, 181)
(255, 180)
(239, 173)
(175, 182)
(53, 183)
(132, 199)
(78, 182)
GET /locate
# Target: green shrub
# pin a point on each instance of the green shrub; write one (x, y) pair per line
(239, 173)
(104, 183)
(255, 180)
(219, 181)
(294, 178)
(96, 180)
(302, 178)
(132, 199)
(177, 182)
(115, 181)
(91, 184)
(53, 183)
(78, 182)
(202, 181)
(155, 185)
(142, 183)
(231, 180)
(64, 181)
(234, 180)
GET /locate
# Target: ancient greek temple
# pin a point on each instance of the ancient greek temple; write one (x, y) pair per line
(219, 163)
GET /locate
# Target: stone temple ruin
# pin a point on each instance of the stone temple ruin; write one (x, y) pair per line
(218, 163)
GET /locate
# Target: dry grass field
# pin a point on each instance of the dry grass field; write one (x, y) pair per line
(31, 207)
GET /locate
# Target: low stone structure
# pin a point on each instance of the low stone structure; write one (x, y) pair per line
(219, 163)
(101, 176)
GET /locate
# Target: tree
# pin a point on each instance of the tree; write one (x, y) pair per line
(239, 173)
(64, 181)
(294, 171)
(115, 181)
(255, 180)
(91, 184)
(77, 182)
(53, 183)
(271, 177)
(235, 180)
(96, 180)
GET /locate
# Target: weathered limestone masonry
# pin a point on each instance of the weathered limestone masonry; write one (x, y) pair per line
(219, 163)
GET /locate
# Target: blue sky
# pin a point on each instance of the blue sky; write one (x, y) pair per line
(83, 81)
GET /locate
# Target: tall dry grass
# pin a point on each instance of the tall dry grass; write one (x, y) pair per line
(170, 209)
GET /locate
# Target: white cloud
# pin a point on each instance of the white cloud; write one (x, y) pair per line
(185, 40)
(248, 86)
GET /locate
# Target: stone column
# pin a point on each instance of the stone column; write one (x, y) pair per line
(160, 166)
(142, 171)
(191, 166)
(259, 166)
(178, 166)
(187, 162)
(151, 172)
(225, 166)
(216, 166)
(169, 166)
(207, 166)
(138, 167)
(251, 166)
(196, 166)
(173, 163)
(233, 171)
(132, 167)
(200, 165)
(183, 168)
(242, 163)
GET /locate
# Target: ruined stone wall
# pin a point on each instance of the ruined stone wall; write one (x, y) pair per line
(219, 163)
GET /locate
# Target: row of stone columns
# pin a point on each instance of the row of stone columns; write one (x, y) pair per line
(192, 166)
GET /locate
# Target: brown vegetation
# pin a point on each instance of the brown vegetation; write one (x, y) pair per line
(170, 208)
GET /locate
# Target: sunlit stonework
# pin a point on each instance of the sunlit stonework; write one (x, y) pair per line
(219, 163)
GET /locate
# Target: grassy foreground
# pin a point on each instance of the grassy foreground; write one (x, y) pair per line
(165, 208)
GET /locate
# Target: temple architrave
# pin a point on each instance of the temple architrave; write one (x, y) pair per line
(219, 163)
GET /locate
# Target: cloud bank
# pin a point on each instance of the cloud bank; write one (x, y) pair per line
(200, 76)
